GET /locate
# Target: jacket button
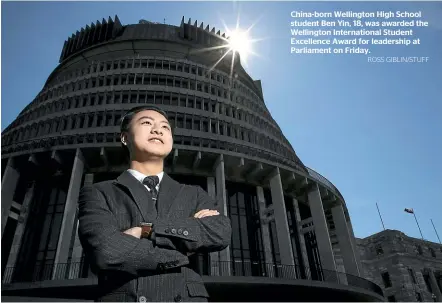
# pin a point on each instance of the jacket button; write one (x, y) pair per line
(142, 299)
(185, 233)
(173, 231)
(178, 298)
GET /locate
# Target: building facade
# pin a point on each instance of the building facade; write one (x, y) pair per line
(408, 269)
(289, 222)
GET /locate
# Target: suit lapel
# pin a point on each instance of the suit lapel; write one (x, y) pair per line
(169, 190)
(139, 194)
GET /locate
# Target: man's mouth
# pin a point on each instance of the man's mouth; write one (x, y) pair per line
(156, 140)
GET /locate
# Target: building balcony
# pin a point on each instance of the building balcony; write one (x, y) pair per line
(225, 281)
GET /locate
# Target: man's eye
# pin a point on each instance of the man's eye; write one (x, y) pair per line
(146, 122)
(166, 127)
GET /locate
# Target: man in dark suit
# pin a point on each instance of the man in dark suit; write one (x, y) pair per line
(139, 229)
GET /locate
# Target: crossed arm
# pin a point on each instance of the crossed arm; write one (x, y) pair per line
(136, 231)
(112, 249)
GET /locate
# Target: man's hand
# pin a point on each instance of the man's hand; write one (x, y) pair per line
(206, 213)
(134, 231)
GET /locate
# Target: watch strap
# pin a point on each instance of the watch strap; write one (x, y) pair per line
(146, 230)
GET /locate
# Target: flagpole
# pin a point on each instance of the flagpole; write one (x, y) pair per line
(418, 225)
(435, 230)
(380, 215)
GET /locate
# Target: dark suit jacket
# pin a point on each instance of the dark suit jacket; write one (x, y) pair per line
(131, 269)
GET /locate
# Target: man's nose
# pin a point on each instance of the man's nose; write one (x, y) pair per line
(156, 130)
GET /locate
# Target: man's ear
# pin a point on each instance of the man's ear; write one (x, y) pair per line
(123, 138)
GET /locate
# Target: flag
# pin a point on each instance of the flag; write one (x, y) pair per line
(409, 210)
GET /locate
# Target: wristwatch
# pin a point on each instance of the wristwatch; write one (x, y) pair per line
(146, 230)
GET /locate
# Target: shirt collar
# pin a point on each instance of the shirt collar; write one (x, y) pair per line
(140, 177)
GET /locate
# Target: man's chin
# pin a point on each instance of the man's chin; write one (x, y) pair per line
(156, 153)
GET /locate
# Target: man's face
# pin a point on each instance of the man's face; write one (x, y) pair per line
(149, 135)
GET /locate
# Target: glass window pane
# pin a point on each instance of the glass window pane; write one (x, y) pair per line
(55, 230)
(45, 232)
(61, 200)
(235, 232)
(244, 235)
(241, 202)
(53, 196)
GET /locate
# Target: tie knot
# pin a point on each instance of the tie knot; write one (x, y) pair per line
(151, 181)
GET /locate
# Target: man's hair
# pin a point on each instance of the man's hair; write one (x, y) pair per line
(128, 116)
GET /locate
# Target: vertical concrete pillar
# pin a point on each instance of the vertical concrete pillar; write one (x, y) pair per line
(265, 232)
(345, 242)
(214, 256)
(69, 216)
(439, 281)
(77, 251)
(355, 247)
(434, 287)
(282, 226)
(220, 179)
(19, 231)
(304, 255)
(321, 229)
(9, 183)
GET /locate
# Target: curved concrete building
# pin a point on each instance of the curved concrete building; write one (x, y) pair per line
(292, 234)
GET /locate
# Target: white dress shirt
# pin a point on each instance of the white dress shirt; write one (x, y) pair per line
(140, 177)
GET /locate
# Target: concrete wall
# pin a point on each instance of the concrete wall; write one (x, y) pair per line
(399, 255)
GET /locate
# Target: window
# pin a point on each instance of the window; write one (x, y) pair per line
(213, 126)
(386, 279)
(180, 121)
(109, 120)
(198, 103)
(205, 126)
(246, 248)
(419, 249)
(412, 275)
(182, 101)
(427, 281)
(188, 123)
(99, 119)
(190, 102)
(196, 125)
(391, 299)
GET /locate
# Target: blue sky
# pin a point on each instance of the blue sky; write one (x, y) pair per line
(374, 130)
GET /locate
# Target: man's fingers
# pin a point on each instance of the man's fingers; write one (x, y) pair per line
(198, 213)
(134, 231)
(207, 213)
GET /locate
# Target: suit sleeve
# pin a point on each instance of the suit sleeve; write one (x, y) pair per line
(192, 234)
(111, 249)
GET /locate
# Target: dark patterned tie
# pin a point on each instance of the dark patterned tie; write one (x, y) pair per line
(151, 182)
